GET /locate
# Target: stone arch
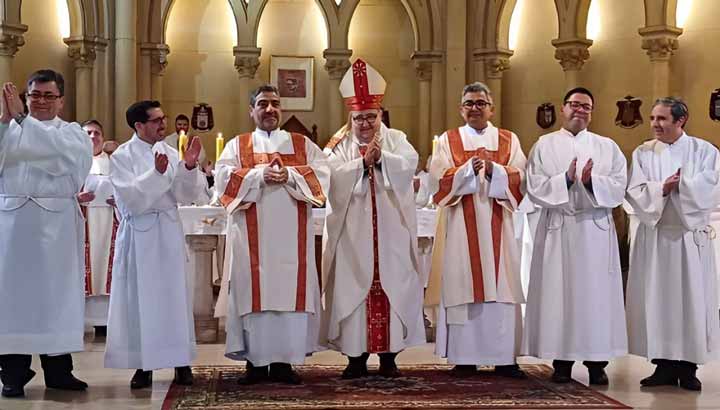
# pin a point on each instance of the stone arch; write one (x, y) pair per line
(660, 13)
(84, 19)
(10, 11)
(420, 14)
(572, 18)
(491, 28)
(337, 20)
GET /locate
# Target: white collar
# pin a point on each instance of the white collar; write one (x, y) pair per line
(472, 131)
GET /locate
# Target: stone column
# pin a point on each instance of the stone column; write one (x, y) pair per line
(247, 61)
(154, 68)
(437, 95)
(144, 73)
(660, 44)
(82, 52)
(424, 69)
(337, 62)
(206, 325)
(99, 86)
(572, 55)
(496, 61)
(456, 46)
(125, 65)
(11, 39)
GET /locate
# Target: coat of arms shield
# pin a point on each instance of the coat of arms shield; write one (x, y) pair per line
(715, 105)
(545, 116)
(628, 115)
(202, 117)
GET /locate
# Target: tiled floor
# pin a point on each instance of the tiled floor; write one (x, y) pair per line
(109, 388)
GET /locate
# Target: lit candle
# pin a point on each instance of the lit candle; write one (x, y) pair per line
(219, 145)
(434, 144)
(182, 144)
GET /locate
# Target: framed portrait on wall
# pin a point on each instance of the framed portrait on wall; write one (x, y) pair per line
(295, 79)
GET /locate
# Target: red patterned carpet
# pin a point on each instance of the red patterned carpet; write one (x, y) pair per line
(421, 387)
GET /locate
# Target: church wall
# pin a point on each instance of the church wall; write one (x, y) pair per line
(201, 67)
(44, 48)
(695, 67)
(297, 28)
(201, 63)
(534, 77)
(617, 67)
(382, 35)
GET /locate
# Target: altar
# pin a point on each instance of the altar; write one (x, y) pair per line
(205, 228)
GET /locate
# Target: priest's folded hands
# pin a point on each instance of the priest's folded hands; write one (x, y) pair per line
(275, 173)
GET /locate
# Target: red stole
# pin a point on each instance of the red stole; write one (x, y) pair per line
(88, 264)
(248, 159)
(502, 157)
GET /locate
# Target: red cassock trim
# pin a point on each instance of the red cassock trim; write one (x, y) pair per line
(88, 267)
(248, 160)
(502, 157)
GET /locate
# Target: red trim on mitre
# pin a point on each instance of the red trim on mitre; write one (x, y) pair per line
(362, 100)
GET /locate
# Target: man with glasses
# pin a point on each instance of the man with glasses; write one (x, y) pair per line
(575, 305)
(269, 181)
(150, 324)
(477, 172)
(672, 287)
(372, 285)
(43, 164)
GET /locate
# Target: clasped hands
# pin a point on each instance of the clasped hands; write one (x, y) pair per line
(11, 106)
(372, 153)
(481, 160)
(275, 173)
(586, 176)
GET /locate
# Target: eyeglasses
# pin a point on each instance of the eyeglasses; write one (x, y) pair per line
(480, 104)
(576, 105)
(263, 104)
(370, 118)
(40, 96)
(157, 120)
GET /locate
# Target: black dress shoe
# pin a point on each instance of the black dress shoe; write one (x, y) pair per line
(563, 371)
(512, 371)
(100, 331)
(17, 390)
(663, 375)
(65, 382)
(284, 373)
(141, 379)
(354, 371)
(464, 370)
(598, 377)
(690, 383)
(686, 375)
(253, 374)
(183, 376)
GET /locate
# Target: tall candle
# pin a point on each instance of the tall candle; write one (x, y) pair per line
(182, 144)
(434, 144)
(219, 145)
